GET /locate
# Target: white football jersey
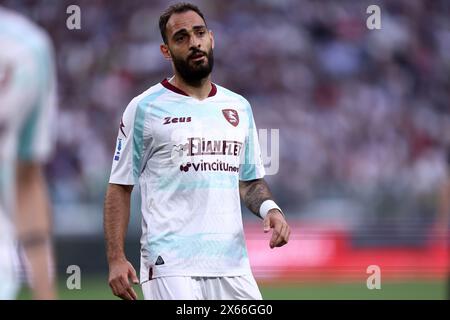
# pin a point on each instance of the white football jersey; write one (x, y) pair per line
(188, 157)
(27, 105)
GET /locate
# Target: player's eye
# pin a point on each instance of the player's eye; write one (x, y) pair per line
(179, 38)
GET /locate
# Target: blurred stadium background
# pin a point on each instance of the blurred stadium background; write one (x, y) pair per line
(364, 119)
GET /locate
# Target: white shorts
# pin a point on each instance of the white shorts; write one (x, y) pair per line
(202, 288)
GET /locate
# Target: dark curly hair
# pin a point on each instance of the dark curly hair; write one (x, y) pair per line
(176, 8)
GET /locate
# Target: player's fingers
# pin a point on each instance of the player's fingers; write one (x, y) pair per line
(266, 224)
(275, 234)
(132, 275)
(288, 233)
(285, 235)
(125, 295)
(128, 292)
(125, 292)
(281, 243)
(116, 286)
(279, 238)
(132, 293)
(113, 288)
(128, 287)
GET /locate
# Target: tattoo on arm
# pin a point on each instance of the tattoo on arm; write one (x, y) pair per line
(254, 193)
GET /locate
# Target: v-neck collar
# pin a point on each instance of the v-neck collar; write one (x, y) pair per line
(171, 87)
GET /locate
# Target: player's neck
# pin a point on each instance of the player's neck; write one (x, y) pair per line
(200, 91)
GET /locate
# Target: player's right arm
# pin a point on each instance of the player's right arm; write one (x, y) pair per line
(125, 171)
(116, 218)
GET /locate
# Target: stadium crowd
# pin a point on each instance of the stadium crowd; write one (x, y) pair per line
(363, 114)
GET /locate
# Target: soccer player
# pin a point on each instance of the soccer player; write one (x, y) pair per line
(27, 103)
(192, 146)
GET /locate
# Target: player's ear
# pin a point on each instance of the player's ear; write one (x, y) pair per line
(165, 51)
(211, 35)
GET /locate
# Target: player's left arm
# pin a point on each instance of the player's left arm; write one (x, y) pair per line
(258, 199)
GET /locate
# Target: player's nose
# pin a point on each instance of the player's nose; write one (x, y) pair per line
(195, 43)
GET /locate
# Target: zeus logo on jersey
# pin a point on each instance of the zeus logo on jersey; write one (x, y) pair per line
(168, 120)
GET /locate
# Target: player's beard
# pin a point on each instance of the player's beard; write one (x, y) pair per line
(193, 72)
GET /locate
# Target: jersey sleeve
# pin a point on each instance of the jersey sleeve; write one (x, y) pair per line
(37, 133)
(251, 164)
(131, 146)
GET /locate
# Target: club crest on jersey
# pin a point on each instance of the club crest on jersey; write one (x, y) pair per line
(232, 116)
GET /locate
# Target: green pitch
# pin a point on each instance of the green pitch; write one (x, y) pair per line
(98, 289)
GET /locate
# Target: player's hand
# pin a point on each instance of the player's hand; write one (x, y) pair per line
(119, 274)
(281, 231)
